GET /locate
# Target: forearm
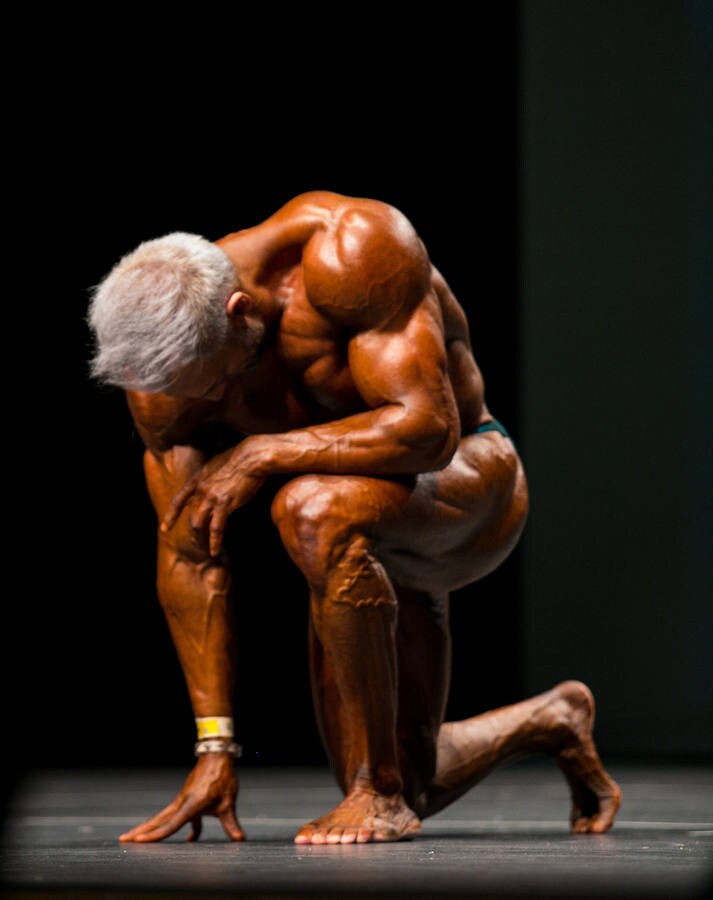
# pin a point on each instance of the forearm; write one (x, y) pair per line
(195, 596)
(389, 440)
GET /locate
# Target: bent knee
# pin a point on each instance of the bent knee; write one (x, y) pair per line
(315, 515)
(300, 498)
(311, 504)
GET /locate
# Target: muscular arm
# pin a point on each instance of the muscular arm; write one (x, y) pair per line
(412, 427)
(369, 273)
(193, 589)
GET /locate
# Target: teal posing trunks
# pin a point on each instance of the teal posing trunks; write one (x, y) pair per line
(493, 425)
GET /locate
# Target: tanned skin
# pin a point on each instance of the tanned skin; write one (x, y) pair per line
(361, 385)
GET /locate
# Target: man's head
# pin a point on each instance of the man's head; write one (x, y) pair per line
(166, 309)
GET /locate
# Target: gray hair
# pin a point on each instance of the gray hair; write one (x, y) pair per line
(160, 308)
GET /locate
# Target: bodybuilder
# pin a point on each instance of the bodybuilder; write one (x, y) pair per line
(336, 351)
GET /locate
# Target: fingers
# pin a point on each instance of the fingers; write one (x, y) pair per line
(203, 509)
(165, 823)
(151, 823)
(196, 828)
(230, 825)
(168, 822)
(217, 529)
(210, 509)
(132, 834)
(214, 513)
(212, 504)
(145, 835)
(175, 507)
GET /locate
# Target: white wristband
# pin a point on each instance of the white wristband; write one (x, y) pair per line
(217, 746)
(214, 726)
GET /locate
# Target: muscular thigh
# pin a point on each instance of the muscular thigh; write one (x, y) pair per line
(440, 530)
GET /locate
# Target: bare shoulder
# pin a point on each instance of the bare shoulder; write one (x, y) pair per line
(365, 264)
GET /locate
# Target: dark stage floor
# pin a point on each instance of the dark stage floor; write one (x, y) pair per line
(507, 838)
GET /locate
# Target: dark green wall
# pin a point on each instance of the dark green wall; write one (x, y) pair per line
(616, 339)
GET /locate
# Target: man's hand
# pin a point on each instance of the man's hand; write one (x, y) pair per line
(210, 790)
(221, 486)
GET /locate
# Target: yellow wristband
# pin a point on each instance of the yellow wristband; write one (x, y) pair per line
(214, 726)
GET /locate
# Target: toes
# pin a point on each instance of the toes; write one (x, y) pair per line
(595, 814)
(608, 809)
(595, 825)
(354, 821)
(335, 835)
(304, 835)
(581, 826)
(340, 835)
(592, 825)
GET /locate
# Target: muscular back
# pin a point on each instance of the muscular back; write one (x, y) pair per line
(353, 281)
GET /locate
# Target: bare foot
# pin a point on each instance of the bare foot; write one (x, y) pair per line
(362, 816)
(595, 795)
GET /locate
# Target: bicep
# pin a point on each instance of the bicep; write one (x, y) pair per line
(406, 365)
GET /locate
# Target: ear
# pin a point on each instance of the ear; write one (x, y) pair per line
(237, 304)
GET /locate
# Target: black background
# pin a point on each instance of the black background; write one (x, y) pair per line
(138, 131)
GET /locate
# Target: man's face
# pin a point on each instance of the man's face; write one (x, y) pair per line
(209, 378)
